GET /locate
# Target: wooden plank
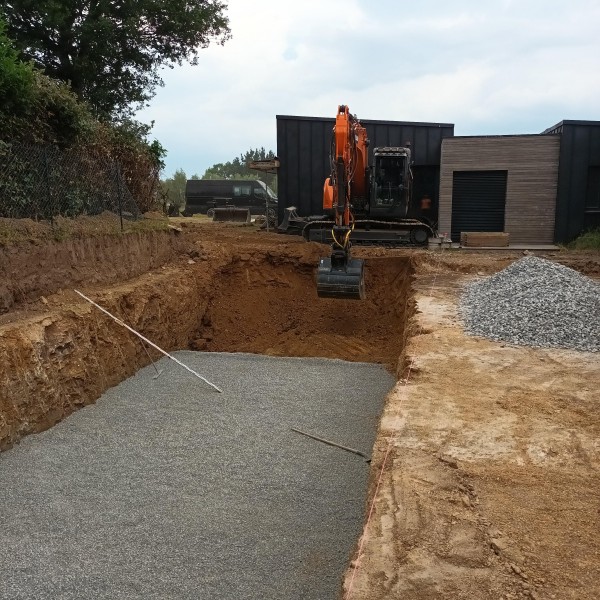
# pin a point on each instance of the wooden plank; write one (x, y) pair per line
(478, 239)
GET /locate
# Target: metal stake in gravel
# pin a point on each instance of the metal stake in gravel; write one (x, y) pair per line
(330, 443)
(144, 339)
(150, 359)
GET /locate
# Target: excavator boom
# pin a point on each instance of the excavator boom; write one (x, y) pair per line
(339, 275)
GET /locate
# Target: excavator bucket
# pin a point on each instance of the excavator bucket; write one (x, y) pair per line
(342, 277)
(236, 215)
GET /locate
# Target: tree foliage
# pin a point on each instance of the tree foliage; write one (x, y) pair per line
(140, 159)
(16, 77)
(173, 188)
(36, 110)
(238, 168)
(111, 51)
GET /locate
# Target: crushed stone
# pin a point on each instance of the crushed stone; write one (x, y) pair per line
(166, 489)
(535, 302)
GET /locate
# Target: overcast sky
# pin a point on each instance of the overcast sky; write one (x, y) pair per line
(507, 66)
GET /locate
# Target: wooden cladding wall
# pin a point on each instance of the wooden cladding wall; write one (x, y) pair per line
(532, 165)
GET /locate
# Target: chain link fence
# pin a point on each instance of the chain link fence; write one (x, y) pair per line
(44, 182)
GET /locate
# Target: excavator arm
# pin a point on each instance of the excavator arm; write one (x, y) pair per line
(339, 275)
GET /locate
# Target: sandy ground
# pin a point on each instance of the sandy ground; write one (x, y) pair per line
(487, 454)
(490, 487)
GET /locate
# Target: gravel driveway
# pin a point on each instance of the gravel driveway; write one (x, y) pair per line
(167, 489)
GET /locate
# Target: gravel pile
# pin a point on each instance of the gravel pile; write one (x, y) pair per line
(535, 302)
(166, 489)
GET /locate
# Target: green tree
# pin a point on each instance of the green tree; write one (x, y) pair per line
(36, 109)
(141, 160)
(16, 78)
(33, 107)
(238, 168)
(173, 188)
(111, 51)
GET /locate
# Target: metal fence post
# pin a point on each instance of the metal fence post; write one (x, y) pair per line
(49, 207)
(119, 192)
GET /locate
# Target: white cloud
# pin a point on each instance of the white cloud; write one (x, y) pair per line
(506, 67)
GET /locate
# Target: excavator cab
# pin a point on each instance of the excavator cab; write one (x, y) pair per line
(391, 178)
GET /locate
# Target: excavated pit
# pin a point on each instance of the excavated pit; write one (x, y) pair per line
(268, 305)
(513, 465)
(55, 361)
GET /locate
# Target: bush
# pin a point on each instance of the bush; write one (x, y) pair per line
(38, 110)
(33, 107)
(16, 79)
(60, 117)
(590, 240)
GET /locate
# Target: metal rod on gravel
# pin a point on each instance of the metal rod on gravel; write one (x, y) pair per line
(330, 443)
(151, 360)
(212, 385)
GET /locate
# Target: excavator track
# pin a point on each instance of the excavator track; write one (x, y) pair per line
(367, 232)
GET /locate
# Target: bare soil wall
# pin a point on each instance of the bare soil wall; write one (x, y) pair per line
(268, 304)
(31, 270)
(53, 363)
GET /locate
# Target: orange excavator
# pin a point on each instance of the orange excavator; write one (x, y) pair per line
(341, 276)
(378, 195)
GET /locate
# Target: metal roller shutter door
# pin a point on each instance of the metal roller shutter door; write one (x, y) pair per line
(478, 201)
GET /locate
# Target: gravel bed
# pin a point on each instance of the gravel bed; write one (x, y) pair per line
(166, 489)
(535, 302)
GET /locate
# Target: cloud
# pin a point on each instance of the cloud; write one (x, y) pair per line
(506, 67)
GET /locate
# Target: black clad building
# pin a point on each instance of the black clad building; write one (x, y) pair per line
(578, 194)
(303, 147)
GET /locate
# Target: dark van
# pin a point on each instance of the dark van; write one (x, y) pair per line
(202, 195)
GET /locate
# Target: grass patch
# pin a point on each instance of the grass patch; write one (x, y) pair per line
(9, 235)
(20, 231)
(590, 240)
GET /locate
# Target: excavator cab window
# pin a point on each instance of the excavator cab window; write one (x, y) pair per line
(389, 175)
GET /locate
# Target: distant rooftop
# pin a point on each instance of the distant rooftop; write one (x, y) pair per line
(570, 122)
(376, 121)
